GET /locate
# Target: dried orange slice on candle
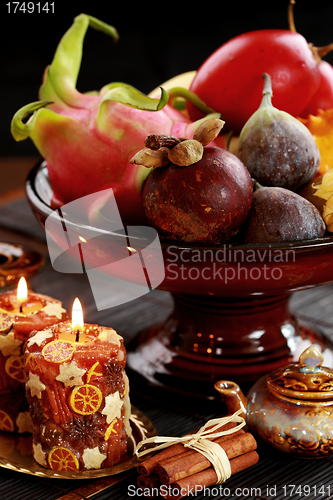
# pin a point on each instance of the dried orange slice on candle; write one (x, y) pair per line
(32, 363)
(6, 322)
(92, 372)
(58, 351)
(63, 459)
(6, 423)
(110, 429)
(15, 368)
(86, 399)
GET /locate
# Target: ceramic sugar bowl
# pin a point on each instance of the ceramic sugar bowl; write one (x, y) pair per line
(291, 408)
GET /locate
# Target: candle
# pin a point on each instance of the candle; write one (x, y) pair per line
(78, 394)
(21, 312)
(77, 319)
(22, 293)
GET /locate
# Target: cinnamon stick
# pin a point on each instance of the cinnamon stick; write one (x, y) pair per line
(150, 484)
(62, 401)
(147, 467)
(54, 405)
(192, 462)
(206, 478)
(148, 481)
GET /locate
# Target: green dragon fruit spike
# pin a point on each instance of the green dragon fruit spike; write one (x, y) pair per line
(88, 139)
(60, 78)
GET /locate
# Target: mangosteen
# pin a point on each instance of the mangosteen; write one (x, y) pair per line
(196, 192)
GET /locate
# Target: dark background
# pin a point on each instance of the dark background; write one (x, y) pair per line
(157, 41)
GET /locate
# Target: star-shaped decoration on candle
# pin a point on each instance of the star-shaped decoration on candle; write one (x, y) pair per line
(110, 335)
(70, 374)
(23, 422)
(39, 454)
(9, 345)
(54, 309)
(35, 385)
(93, 458)
(40, 337)
(113, 406)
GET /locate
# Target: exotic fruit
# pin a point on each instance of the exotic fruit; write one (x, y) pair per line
(276, 148)
(200, 193)
(279, 215)
(323, 98)
(235, 69)
(87, 139)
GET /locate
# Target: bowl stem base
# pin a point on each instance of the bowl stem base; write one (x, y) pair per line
(207, 338)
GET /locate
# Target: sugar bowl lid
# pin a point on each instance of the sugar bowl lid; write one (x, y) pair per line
(307, 379)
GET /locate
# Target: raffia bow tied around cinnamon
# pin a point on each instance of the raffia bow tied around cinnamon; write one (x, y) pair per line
(203, 442)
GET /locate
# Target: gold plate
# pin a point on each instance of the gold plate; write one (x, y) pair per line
(16, 453)
(17, 261)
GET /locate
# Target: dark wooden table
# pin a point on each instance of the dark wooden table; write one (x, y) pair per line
(276, 476)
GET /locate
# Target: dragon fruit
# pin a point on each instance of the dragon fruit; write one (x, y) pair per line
(88, 139)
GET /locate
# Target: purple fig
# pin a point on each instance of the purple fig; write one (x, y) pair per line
(277, 149)
(278, 215)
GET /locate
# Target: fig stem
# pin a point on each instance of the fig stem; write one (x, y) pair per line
(267, 91)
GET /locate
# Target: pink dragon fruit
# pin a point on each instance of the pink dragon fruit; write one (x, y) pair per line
(88, 139)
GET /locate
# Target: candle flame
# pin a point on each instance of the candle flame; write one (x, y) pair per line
(77, 316)
(22, 290)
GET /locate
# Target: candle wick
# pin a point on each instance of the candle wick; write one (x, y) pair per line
(21, 308)
(77, 337)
